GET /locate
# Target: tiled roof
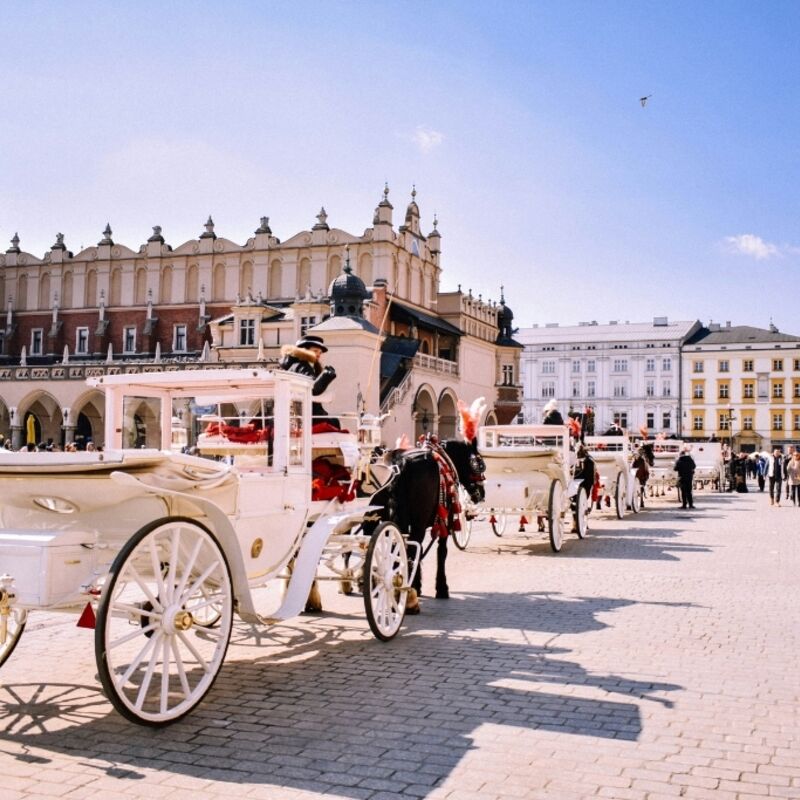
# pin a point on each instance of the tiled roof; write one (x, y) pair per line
(740, 334)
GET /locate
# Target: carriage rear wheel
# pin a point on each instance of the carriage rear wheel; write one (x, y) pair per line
(461, 537)
(10, 631)
(619, 496)
(580, 511)
(386, 581)
(555, 523)
(498, 520)
(156, 656)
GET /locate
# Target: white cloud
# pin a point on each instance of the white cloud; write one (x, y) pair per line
(426, 138)
(750, 245)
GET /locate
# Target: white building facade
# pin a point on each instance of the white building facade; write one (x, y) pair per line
(628, 373)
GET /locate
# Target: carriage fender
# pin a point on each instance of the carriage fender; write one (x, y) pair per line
(222, 529)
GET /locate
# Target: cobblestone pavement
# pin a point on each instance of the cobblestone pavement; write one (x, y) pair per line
(656, 659)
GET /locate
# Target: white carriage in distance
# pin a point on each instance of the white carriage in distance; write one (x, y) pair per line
(619, 487)
(530, 473)
(709, 465)
(161, 547)
(662, 473)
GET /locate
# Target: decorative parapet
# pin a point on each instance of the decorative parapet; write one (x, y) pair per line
(434, 364)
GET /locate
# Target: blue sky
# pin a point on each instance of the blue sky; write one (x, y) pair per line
(519, 123)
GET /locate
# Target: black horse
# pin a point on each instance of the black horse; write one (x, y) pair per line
(412, 499)
(643, 459)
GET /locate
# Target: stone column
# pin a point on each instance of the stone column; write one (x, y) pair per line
(16, 436)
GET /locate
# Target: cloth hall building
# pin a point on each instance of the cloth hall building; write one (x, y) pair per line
(399, 344)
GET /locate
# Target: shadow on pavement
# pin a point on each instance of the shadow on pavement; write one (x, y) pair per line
(323, 713)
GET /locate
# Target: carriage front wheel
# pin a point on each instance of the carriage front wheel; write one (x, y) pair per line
(11, 627)
(555, 523)
(636, 497)
(619, 496)
(386, 581)
(498, 520)
(465, 517)
(580, 510)
(156, 656)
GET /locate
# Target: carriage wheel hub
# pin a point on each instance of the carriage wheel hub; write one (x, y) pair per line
(177, 619)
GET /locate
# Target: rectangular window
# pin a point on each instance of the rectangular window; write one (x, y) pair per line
(621, 418)
(747, 365)
(650, 388)
(797, 422)
(548, 367)
(777, 365)
(306, 323)
(508, 374)
(81, 341)
(797, 364)
(724, 421)
(697, 422)
(666, 389)
(666, 364)
(37, 341)
(777, 422)
(179, 338)
(590, 388)
(777, 390)
(724, 391)
(590, 365)
(129, 339)
(548, 389)
(698, 391)
(651, 420)
(749, 390)
(576, 388)
(697, 366)
(576, 366)
(650, 365)
(620, 390)
(620, 365)
(724, 366)
(247, 332)
(796, 390)
(666, 421)
(747, 422)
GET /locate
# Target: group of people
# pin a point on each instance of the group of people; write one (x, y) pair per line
(782, 472)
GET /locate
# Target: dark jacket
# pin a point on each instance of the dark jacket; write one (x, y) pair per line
(302, 361)
(685, 467)
(584, 471)
(553, 418)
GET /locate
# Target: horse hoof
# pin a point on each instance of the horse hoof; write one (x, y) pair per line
(312, 609)
(347, 587)
(413, 610)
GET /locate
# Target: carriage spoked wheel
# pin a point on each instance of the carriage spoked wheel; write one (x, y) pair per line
(11, 628)
(156, 654)
(580, 511)
(386, 581)
(461, 537)
(498, 520)
(555, 523)
(619, 496)
(636, 498)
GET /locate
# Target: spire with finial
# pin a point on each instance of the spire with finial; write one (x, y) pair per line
(209, 229)
(264, 226)
(502, 295)
(385, 201)
(14, 244)
(347, 268)
(107, 240)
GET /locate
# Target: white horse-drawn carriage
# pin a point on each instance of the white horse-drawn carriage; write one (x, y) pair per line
(530, 473)
(618, 485)
(158, 548)
(709, 465)
(662, 473)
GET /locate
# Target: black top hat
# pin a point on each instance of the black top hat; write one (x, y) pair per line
(312, 341)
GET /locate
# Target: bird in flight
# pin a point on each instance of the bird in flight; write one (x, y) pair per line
(643, 100)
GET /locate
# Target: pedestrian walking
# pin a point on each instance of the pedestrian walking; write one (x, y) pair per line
(685, 467)
(786, 461)
(762, 462)
(775, 475)
(793, 477)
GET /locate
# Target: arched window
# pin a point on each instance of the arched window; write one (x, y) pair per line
(44, 292)
(303, 276)
(66, 290)
(192, 288)
(90, 293)
(246, 279)
(165, 294)
(275, 279)
(115, 288)
(218, 289)
(140, 287)
(365, 268)
(334, 268)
